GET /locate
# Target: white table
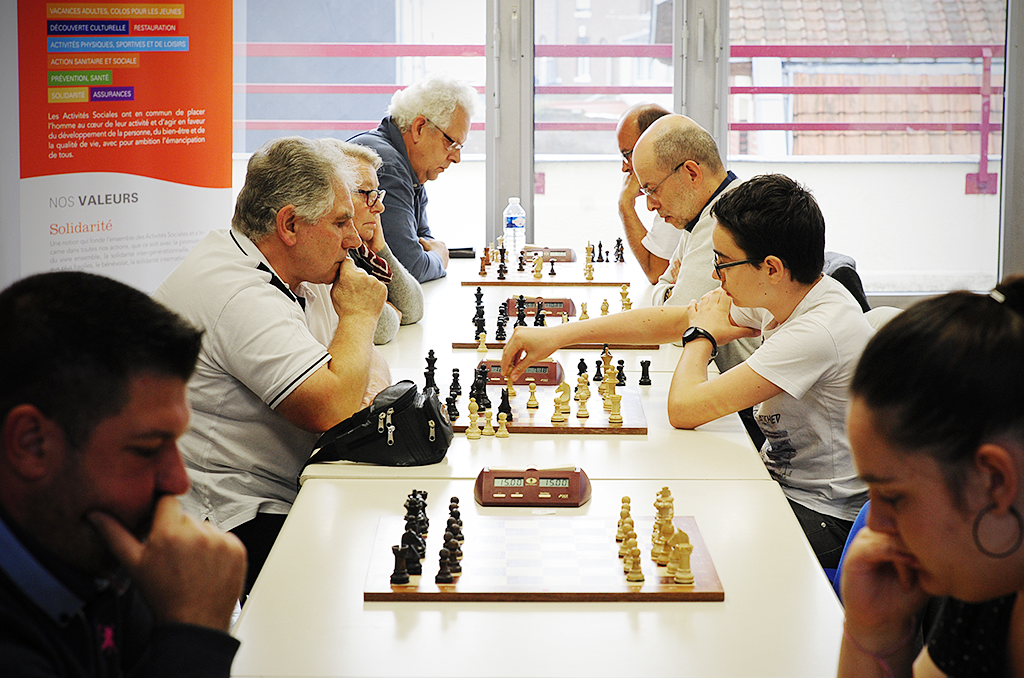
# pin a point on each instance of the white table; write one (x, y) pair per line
(306, 615)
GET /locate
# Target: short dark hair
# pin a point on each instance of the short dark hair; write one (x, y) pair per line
(947, 375)
(773, 215)
(71, 341)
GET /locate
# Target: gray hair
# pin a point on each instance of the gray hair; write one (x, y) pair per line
(290, 171)
(357, 152)
(435, 97)
(679, 143)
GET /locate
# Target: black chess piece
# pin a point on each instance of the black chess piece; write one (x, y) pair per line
(540, 319)
(479, 296)
(457, 516)
(412, 560)
(456, 387)
(600, 256)
(401, 573)
(620, 378)
(522, 261)
(502, 270)
(500, 334)
(412, 538)
(452, 545)
(552, 271)
(453, 410)
(598, 375)
(505, 406)
(455, 529)
(454, 565)
(582, 367)
(645, 376)
(444, 574)
(480, 385)
(480, 327)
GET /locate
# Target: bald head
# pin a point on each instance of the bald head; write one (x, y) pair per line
(673, 139)
(677, 165)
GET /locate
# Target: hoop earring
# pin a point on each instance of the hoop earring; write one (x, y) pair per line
(1016, 544)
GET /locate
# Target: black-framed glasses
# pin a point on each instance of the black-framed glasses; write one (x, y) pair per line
(373, 195)
(453, 145)
(626, 155)
(649, 192)
(719, 267)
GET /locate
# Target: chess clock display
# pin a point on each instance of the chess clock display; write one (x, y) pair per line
(543, 373)
(567, 486)
(553, 308)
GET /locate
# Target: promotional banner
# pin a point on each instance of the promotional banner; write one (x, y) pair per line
(125, 134)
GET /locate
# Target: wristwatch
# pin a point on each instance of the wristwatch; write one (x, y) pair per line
(692, 333)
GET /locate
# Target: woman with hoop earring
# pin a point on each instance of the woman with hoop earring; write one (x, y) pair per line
(936, 426)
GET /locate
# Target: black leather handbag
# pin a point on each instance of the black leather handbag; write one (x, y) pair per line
(401, 427)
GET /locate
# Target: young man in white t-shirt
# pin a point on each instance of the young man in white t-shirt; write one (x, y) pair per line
(769, 245)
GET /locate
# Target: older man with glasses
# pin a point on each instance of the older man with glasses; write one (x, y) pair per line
(426, 128)
(680, 172)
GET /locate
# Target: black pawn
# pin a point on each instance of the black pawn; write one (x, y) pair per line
(645, 376)
(453, 527)
(540, 318)
(453, 410)
(552, 271)
(598, 375)
(620, 378)
(453, 561)
(522, 261)
(444, 574)
(500, 334)
(456, 515)
(401, 574)
(480, 327)
(452, 545)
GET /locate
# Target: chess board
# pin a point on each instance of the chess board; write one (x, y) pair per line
(567, 274)
(540, 558)
(525, 420)
(500, 345)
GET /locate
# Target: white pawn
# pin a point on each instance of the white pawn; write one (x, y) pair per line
(488, 428)
(635, 574)
(502, 426)
(473, 430)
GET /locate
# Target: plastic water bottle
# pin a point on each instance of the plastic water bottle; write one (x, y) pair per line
(515, 229)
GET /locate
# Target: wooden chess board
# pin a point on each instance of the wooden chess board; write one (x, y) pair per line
(500, 345)
(525, 420)
(567, 274)
(540, 558)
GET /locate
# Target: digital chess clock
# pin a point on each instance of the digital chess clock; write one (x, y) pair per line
(552, 253)
(532, 487)
(544, 373)
(552, 307)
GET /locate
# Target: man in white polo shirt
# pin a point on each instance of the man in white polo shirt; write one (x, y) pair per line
(288, 322)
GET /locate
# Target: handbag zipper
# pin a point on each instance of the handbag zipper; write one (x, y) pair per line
(391, 428)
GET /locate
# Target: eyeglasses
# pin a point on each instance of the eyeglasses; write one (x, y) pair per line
(453, 145)
(626, 154)
(373, 195)
(719, 267)
(649, 192)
